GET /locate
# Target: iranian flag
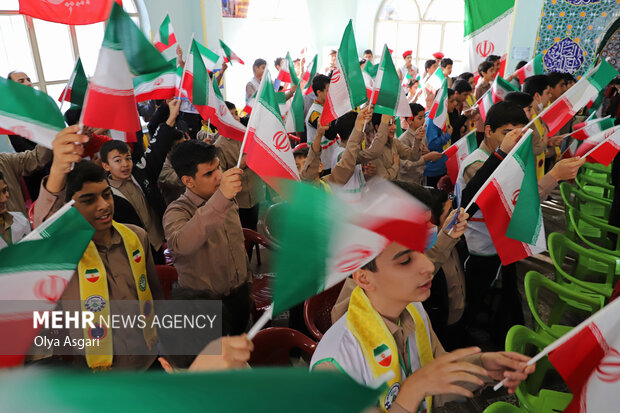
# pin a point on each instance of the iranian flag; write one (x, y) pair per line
(28, 112)
(484, 104)
(434, 82)
(164, 37)
(158, 85)
(486, 29)
(68, 12)
(369, 73)
(439, 109)
(589, 128)
(295, 116)
(601, 148)
(533, 67)
(76, 87)
(229, 55)
(125, 53)
(287, 71)
(267, 145)
(586, 89)
(308, 76)
(510, 204)
(390, 97)
(458, 152)
(500, 88)
(346, 87)
(249, 104)
(211, 60)
(33, 276)
(220, 116)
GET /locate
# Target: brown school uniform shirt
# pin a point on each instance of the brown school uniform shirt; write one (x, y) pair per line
(481, 89)
(251, 185)
(170, 184)
(412, 171)
(206, 239)
(16, 165)
(133, 193)
(121, 286)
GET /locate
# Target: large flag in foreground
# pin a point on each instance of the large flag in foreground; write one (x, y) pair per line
(68, 12)
(510, 204)
(37, 272)
(487, 27)
(601, 148)
(29, 112)
(458, 152)
(265, 390)
(164, 37)
(585, 90)
(76, 87)
(110, 101)
(267, 145)
(346, 88)
(391, 99)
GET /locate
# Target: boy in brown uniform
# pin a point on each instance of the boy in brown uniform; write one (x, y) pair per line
(87, 186)
(204, 231)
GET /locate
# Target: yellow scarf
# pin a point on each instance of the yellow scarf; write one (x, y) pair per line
(94, 296)
(379, 347)
(471, 101)
(540, 158)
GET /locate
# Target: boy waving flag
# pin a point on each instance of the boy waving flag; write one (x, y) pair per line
(287, 71)
(533, 67)
(164, 37)
(346, 88)
(390, 97)
(439, 110)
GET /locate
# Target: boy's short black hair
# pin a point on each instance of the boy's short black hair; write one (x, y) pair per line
(520, 98)
(446, 61)
(376, 119)
(72, 116)
(450, 92)
(278, 61)
(109, 146)
(429, 63)
(301, 152)
(1, 176)
(230, 105)
(485, 66)
(320, 82)
(189, 154)
(535, 84)
(505, 113)
(416, 108)
(520, 64)
(553, 78)
(493, 58)
(83, 171)
(344, 125)
(569, 78)
(461, 86)
(438, 200)
(259, 62)
(465, 76)
(367, 51)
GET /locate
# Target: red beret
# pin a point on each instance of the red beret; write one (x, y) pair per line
(438, 55)
(407, 53)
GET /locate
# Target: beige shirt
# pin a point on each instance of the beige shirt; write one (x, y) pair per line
(15, 165)
(121, 285)
(133, 193)
(481, 89)
(253, 189)
(412, 171)
(170, 184)
(206, 239)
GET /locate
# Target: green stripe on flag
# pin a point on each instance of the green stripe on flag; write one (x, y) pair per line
(122, 34)
(268, 97)
(601, 77)
(371, 69)
(308, 219)
(472, 142)
(297, 110)
(80, 84)
(479, 14)
(201, 77)
(291, 69)
(387, 98)
(526, 218)
(163, 30)
(349, 61)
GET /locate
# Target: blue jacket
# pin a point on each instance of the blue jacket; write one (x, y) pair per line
(436, 140)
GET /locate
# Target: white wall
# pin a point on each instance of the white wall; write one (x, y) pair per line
(526, 19)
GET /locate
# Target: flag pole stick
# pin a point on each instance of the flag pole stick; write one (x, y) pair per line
(189, 50)
(374, 87)
(260, 323)
(208, 127)
(247, 128)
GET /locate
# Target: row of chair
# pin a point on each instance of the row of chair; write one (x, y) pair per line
(587, 265)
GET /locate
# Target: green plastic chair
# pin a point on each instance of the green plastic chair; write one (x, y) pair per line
(588, 204)
(566, 301)
(581, 268)
(531, 396)
(503, 407)
(597, 171)
(594, 232)
(595, 186)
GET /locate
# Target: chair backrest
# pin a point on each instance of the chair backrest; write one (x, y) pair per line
(591, 270)
(167, 275)
(268, 223)
(252, 237)
(565, 300)
(575, 198)
(594, 186)
(595, 232)
(273, 346)
(317, 311)
(596, 170)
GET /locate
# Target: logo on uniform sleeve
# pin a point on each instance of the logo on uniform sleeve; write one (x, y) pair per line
(137, 256)
(94, 303)
(391, 395)
(142, 283)
(92, 275)
(383, 355)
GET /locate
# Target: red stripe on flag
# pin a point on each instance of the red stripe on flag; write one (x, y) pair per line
(493, 206)
(328, 112)
(452, 164)
(433, 110)
(156, 94)
(267, 164)
(227, 130)
(113, 110)
(605, 153)
(557, 115)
